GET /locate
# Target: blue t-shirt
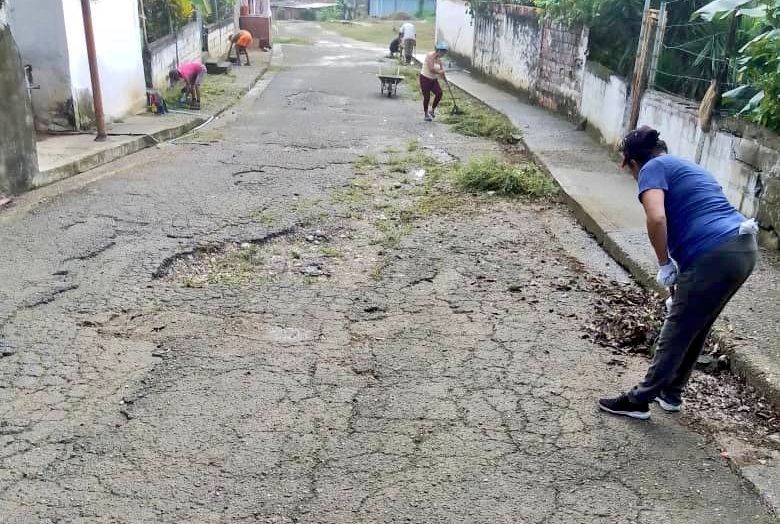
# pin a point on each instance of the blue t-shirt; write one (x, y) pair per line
(698, 215)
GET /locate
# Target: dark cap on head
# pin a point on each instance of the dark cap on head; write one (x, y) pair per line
(640, 144)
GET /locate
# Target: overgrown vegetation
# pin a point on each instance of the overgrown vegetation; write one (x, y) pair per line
(291, 40)
(220, 10)
(489, 173)
(164, 17)
(474, 119)
(733, 42)
(759, 58)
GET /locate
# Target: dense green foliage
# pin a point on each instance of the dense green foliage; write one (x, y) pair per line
(162, 17)
(220, 10)
(735, 41)
(758, 98)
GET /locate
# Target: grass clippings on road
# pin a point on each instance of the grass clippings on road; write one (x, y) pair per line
(489, 173)
(473, 118)
(382, 32)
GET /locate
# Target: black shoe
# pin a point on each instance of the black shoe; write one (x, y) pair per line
(623, 405)
(668, 405)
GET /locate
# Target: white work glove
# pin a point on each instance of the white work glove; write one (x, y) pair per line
(667, 273)
(748, 227)
(668, 304)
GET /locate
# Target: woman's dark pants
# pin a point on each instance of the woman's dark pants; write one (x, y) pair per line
(703, 290)
(428, 86)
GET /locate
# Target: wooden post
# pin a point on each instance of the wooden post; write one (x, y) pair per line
(94, 73)
(641, 63)
(659, 42)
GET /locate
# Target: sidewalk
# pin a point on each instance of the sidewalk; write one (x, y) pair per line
(62, 156)
(604, 199)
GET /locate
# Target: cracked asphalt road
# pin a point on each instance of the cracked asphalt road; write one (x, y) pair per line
(241, 332)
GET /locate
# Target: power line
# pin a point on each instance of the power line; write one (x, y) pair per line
(696, 54)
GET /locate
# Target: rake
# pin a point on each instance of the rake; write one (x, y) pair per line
(455, 109)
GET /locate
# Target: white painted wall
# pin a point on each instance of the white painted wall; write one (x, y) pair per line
(169, 52)
(508, 48)
(676, 119)
(48, 57)
(737, 163)
(218, 38)
(604, 101)
(118, 45)
(455, 26)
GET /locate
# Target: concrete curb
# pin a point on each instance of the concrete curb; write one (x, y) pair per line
(742, 363)
(44, 178)
(761, 478)
(106, 156)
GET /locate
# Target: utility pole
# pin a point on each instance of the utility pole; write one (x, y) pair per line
(649, 18)
(660, 32)
(97, 94)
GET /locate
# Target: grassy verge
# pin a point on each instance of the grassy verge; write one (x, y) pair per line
(383, 31)
(291, 40)
(473, 118)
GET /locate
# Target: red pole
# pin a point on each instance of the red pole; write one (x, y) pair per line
(97, 95)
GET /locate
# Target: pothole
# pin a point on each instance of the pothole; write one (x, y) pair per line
(311, 256)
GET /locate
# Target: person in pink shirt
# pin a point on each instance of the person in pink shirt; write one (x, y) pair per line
(192, 73)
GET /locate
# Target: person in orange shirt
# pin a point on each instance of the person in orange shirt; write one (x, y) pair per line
(242, 40)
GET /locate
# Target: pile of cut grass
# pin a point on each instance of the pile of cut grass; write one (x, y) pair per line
(474, 119)
(489, 173)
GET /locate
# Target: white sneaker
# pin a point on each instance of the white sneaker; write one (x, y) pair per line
(667, 406)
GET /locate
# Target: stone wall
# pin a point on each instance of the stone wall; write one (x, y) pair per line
(18, 160)
(543, 58)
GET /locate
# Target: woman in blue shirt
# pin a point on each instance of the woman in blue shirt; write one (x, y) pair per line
(705, 249)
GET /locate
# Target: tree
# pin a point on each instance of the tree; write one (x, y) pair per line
(758, 60)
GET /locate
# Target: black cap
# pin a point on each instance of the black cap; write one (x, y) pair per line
(639, 144)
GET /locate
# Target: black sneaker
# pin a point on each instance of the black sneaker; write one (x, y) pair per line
(623, 405)
(668, 405)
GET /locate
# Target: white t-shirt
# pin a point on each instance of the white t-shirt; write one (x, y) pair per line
(407, 29)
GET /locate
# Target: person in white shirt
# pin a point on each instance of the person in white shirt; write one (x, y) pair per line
(408, 37)
(432, 70)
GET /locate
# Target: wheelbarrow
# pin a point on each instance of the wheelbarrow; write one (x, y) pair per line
(389, 84)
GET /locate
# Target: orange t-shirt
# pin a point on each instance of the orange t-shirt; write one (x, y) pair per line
(244, 39)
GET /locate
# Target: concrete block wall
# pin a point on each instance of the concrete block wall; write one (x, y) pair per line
(548, 61)
(543, 58)
(456, 27)
(747, 167)
(217, 36)
(167, 52)
(561, 66)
